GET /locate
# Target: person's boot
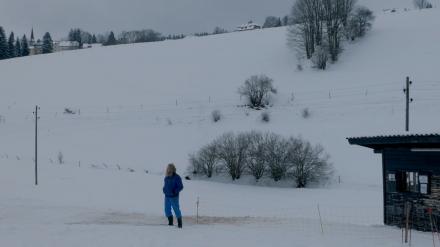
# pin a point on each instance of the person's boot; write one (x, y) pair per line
(170, 220)
(179, 222)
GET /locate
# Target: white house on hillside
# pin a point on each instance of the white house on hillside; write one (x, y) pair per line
(248, 26)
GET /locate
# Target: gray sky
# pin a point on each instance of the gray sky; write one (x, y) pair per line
(166, 16)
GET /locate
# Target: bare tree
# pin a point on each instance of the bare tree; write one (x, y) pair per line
(257, 90)
(307, 29)
(333, 27)
(256, 162)
(360, 22)
(320, 58)
(422, 4)
(233, 153)
(205, 161)
(314, 19)
(276, 156)
(309, 163)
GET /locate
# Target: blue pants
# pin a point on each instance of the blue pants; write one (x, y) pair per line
(172, 202)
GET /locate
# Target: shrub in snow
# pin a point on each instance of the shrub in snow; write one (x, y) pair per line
(309, 163)
(320, 58)
(216, 116)
(205, 161)
(68, 111)
(422, 4)
(265, 117)
(305, 113)
(263, 155)
(256, 162)
(232, 153)
(257, 90)
(360, 22)
(276, 156)
(60, 158)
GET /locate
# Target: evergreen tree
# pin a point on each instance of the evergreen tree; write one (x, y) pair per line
(285, 21)
(47, 43)
(3, 44)
(18, 48)
(24, 46)
(94, 40)
(111, 40)
(11, 46)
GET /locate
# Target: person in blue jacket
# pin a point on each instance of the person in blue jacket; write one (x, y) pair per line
(172, 187)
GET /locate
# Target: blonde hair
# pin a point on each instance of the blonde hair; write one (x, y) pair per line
(171, 170)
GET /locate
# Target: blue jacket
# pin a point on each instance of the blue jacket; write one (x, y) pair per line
(172, 186)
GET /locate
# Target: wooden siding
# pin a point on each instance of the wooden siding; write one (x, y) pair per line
(394, 202)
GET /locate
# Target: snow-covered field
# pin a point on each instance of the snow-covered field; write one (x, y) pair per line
(145, 105)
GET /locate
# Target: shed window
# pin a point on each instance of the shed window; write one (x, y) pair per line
(424, 184)
(391, 182)
(406, 181)
(412, 181)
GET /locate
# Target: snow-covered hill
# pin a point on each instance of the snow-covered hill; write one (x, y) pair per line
(142, 106)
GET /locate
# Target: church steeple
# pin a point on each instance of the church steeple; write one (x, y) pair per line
(32, 37)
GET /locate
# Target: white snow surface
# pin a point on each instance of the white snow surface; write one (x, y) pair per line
(139, 107)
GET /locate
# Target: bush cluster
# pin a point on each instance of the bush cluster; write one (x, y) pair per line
(257, 90)
(263, 155)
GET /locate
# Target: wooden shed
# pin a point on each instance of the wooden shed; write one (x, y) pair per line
(411, 178)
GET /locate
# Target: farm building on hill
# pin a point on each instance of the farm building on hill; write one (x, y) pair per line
(411, 178)
(248, 26)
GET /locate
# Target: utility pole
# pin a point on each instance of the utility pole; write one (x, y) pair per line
(36, 143)
(408, 100)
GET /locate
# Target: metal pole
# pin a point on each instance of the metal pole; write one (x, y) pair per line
(408, 101)
(36, 145)
(407, 105)
(197, 217)
(407, 214)
(320, 220)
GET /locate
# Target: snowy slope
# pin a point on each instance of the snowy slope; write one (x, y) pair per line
(145, 105)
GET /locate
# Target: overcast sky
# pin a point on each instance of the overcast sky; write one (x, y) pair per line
(165, 16)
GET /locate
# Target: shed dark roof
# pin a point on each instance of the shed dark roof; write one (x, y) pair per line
(397, 141)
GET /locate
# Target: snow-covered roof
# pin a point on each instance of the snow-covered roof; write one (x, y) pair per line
(406, 140)
(248, 26)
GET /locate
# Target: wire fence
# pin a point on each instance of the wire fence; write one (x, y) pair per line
(376, 94)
